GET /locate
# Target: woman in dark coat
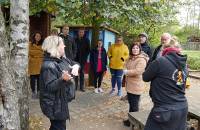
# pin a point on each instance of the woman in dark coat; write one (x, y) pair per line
(98, 62)
(55, 80)
(168, 82)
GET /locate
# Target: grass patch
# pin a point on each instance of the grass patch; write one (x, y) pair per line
(193, 59)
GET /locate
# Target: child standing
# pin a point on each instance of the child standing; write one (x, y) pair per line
(98, 62)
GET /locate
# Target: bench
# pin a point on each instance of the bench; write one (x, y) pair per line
(194, 113)
(138, 119)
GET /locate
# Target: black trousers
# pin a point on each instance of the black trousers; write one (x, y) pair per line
(98, 77)
(80, 78)
(58, 125)
(33, 80)
(133, 101)
(167, 120)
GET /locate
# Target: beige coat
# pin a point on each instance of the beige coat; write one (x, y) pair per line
(135, 67)
(35, 59)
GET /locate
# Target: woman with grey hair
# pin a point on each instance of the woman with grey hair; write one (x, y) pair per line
(56, 77)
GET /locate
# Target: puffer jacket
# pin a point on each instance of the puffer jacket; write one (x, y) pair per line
(53, 91)
(35, 59)
(135, 67)
(118, 54)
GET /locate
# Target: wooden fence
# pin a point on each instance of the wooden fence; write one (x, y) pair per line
(191, 46)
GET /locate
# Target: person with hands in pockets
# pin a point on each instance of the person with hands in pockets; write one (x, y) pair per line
(54, 82)
(134, 67)
(118, 53)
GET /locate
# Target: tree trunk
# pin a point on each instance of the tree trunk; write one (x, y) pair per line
(9, 114)
(95, 38)
(19, 15)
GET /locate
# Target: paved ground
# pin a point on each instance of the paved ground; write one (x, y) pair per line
(92, 111)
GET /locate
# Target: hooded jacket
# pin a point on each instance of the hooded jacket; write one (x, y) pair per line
(163, 73)
(118, 54)
(135, 67)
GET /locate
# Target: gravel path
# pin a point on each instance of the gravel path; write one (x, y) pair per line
(92, 111)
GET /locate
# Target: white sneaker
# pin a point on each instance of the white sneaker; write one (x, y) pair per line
(100, 90)
(96, 90)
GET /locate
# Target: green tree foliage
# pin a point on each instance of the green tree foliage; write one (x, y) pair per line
(130, 17)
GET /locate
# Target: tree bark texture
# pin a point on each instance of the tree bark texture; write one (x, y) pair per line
(9, 108)
(95, 38)
(19, 36)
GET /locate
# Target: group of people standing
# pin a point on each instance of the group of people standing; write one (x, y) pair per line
(61, 60)
(167, 71)
(76, 49)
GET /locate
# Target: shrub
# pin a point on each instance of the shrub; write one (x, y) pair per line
(194, 63)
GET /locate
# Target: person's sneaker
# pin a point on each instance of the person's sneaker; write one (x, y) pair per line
(126, 123)
(100, 90)
(119, 93)
(112, 92)
(96, 90)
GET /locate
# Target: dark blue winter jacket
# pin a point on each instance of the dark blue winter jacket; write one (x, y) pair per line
(94, 59)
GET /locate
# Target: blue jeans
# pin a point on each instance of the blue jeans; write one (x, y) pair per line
(117, 75)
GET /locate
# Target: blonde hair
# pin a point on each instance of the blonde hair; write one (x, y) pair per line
(173, 43)
(166, 35)
(51, 44)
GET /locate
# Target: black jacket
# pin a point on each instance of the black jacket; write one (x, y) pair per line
(162, 73)
(53, 90)
(70, 46)
(94, 59)
(83, 49)
(146, 48)
(155, 53)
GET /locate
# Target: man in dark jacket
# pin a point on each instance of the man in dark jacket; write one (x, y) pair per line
(144, 44)
(167, 76)
(165, 38)
(70, 46)
(83, 50)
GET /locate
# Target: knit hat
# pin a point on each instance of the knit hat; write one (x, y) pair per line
(143, 34)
